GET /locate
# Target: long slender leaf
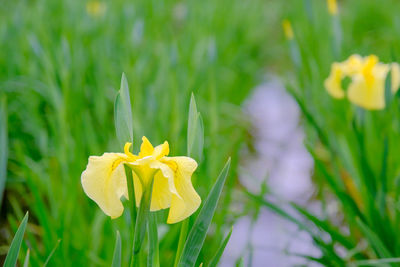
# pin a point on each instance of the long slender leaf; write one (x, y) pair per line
(199, 230)
(51, 253)
(116, 262)
(154, 257)
(374, 240)
(182, 239)
(378, 262)
(26, 261)
(123, 113)
(3, 147)
(12, 255)
(195, 132)
(327, 227)
(215, 260)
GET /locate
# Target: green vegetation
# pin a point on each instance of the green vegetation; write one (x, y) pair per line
(60, 69)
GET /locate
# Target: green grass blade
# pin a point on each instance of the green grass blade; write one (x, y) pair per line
(240, 263)
(326, 226)
(26, 261)
(374, 240)
(123, 113)
(199, 230)
(51, 253)
(195, 132)
(182, 239)
(375, 262)
(116, 262)
(215, 260)
(154, 257)
(3, 147)
(12, 255)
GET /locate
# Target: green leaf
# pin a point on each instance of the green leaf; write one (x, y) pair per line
(326, 226)
(182, 239)
(374, 240)
(141, 222)
(3, 147)
(116, 261)
(26, 261)
(154, 257)
(51, 253)
(200, 227)
(376, 263)
(240, 262)
(12, 255)
(195, 132)
(388, 90)
(123, 113)
(131, 193)
(215, 260)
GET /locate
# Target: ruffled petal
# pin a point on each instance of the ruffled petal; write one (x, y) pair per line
(161, 150)
(188, 201)
(104, 181)
(369, 91)
(333, 83)
(353, 65)
(163, 186)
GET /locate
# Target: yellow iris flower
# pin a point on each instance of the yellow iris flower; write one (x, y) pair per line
(287, 29)
(104, 180)
(332, 7)
(367, 86)
(96, 8)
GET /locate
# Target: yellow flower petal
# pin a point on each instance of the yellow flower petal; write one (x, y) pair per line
(333, 83)
(332, 7)
(104, 181)
(95, 8)
(188, 201)
(367, 90)
(395, 73)
(352, 65)
(163, 186)
(146, 149)
(161, 150)
(287, 29)
(161, 195)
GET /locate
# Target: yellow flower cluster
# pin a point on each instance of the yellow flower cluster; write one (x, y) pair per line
(104, 180)
(367, 84)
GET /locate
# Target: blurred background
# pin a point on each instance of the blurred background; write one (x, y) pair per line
(60, 68)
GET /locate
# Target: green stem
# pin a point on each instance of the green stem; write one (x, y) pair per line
(132, 204)
(182, 239)
(154, 257)
(141, 222)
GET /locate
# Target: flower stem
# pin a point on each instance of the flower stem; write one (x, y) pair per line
(182, 239)
(132, 206)
(141, 222)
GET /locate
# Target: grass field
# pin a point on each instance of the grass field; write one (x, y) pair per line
(60, 69)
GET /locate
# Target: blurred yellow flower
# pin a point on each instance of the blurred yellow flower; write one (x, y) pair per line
(95, 8)
(287, 29)
(104, 180)
(332, 7)
(367, 86)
